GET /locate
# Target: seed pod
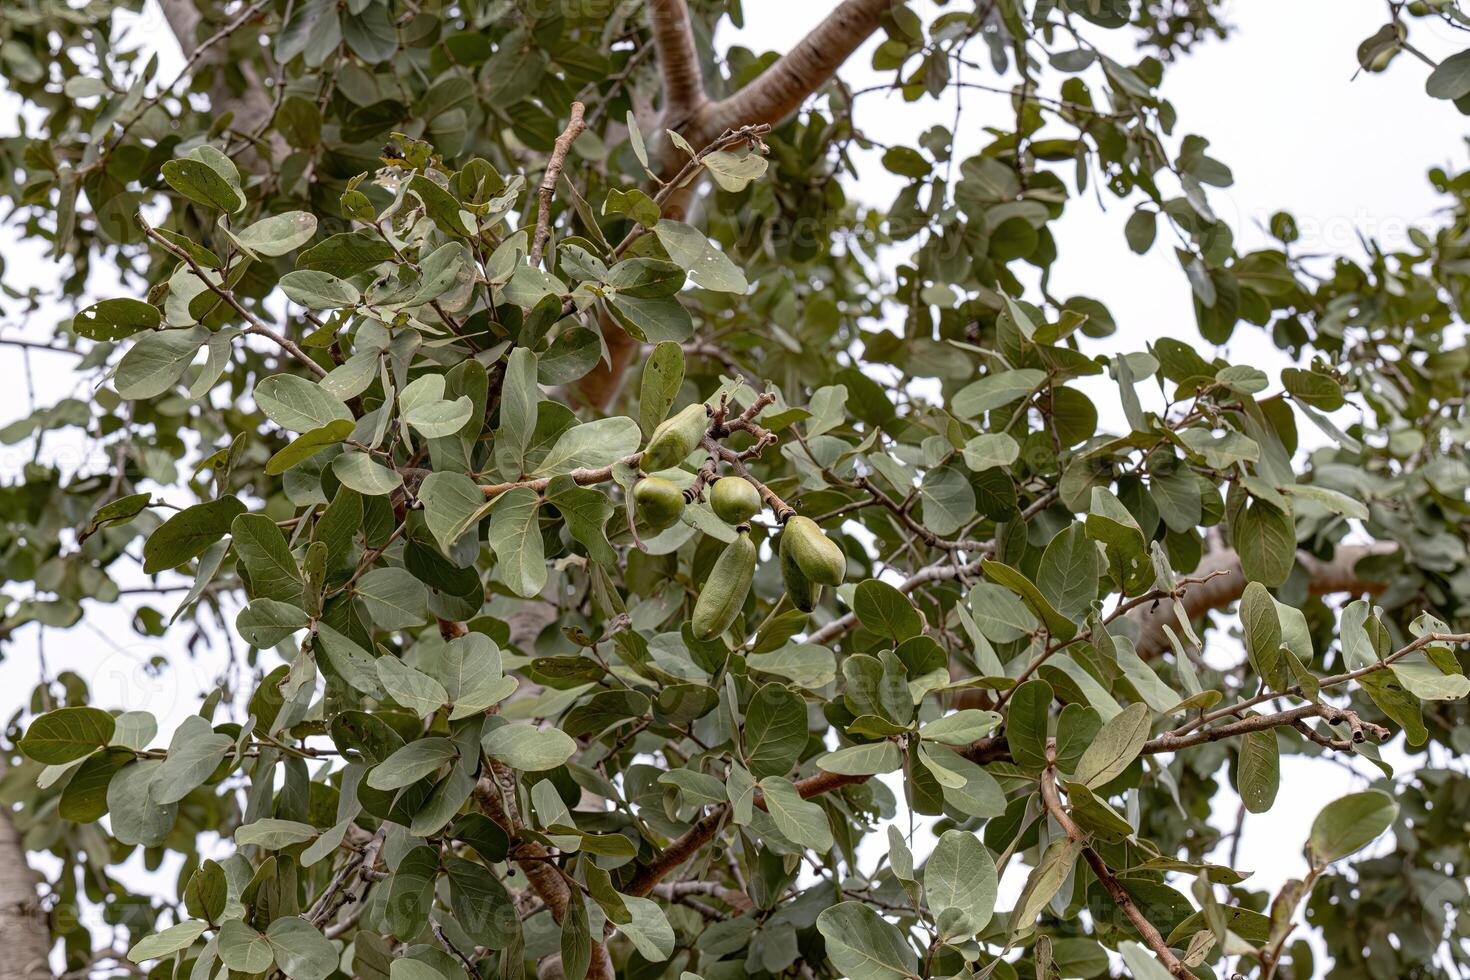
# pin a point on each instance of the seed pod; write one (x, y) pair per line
(675, 438)
(819, 559)
(659, 502)
(803, 591)
(725, 590)
(734, 500)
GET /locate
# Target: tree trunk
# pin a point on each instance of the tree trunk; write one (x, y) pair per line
(25, 938)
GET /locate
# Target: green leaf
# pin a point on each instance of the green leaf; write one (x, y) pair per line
(277, 234)
(471, 673)
(267, 559)
(1045, 880)
(1450, 79)
(345, 255)
(189, 533)
(995, 390)
(990, 449)
(1317, 390)
(114, 319)
(67, 734)
(586, 512)
(273, 834)
(1349, 824)
(960, 875)
(1262, 629)
(662, 375)
(948, 499)
(207, 891)
(193, 754)
(360, 472)
(518, 398)
(394, 598)
(865, 946)
(1258, 771)
(116, 513)
(1117, 744)
(652, 320)
(884, 610)
(84, 799)
(266, 622)
(775, 731)
(156, 361)
(528, 748)
(204, 184)
(1026, 723)
(170, 940)
(870, 759)
(136, 817)
(294, 403)
(1141, 963)
(591, 445)
(301, 951)
(961, 727)
(1069, 572)
(411, 688)
(1265, 538)
(800, 821)
(1060, 626)
(411, 891)
(706, 265)
(453, 505)
(411, 763)
(515, 537)
(307, 445)
(317, 290)
(1425, 680)
(648, 929)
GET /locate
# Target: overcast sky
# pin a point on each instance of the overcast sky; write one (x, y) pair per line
(1280, 106)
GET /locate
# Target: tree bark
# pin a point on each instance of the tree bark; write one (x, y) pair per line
(25, 936)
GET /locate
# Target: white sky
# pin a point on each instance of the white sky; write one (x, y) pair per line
(1277, 101)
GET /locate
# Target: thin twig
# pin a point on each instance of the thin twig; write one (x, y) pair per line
(547, 191)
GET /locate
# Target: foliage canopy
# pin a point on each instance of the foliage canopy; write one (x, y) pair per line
(506, 379)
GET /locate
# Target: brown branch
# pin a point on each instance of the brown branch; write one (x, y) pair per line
(495, 796)
(1105, 875)
(1171, 742)
(782, 88)
(678, 62)
(547, 191)
(253, 323)
(704, 829)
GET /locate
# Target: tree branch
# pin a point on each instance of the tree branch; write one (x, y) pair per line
(782, 88)
(547, 191)
(704, 829)
(495, 796)
(1105, 875)
(678, 61)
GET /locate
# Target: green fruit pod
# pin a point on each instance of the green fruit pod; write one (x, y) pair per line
(725, 590)
(659, 502)
(803, 592)
(734, 500)
(819, 559)
(675, 438)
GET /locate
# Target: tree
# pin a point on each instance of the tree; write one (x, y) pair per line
(505, 377)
